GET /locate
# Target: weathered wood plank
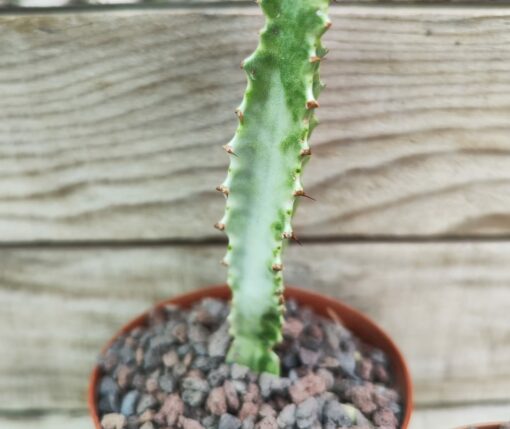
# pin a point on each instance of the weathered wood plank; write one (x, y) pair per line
(423, 418)
(446, 304)
(111, 124)
(455, 417)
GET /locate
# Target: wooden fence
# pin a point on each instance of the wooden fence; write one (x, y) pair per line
(111, 126)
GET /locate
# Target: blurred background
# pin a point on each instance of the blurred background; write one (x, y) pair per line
(111, 126)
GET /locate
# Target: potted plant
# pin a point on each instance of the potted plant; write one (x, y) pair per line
(275, 357)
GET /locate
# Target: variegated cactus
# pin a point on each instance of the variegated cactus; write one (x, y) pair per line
(268, 152)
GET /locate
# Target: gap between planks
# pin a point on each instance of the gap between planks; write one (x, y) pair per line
(215, 241)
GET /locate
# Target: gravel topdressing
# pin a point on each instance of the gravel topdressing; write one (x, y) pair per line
(172, 374)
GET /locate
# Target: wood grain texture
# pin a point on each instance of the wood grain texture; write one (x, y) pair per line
(446, 305)
(111, 123)
(423, 418)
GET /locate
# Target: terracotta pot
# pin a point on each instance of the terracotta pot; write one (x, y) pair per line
(355, 321)
(483, 426)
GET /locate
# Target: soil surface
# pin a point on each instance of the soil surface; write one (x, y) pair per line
(172, 375)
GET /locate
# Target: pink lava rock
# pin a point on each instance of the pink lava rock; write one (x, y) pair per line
(361, 397)
(292, 327)
(186, 423)
(217, 401)
(172, 409)
(309, 385)
(248, 409)
(232, 397)
(385, 418)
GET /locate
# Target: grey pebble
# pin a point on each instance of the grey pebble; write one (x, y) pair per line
(219, 341)
(217, 376)
(337, 413)
(194, 398)
(266, 381)
(203, 363)
(228, 421)
(108, 386)
(146, 401)
(109, 403)
(167, 383)
(215, 307)
(287, 417)
(210, 422)
(183, 350)
(200, 349)
(248, 422)
(129, 402)
(348, 363)
(151, 359)
(306, 413)
(198, 334)
(239, 372)
(127, 354)
(240, 386)
(192, 383)
(179, 370)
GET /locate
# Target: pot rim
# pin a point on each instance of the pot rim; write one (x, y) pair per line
(361, 325)
(493, 425)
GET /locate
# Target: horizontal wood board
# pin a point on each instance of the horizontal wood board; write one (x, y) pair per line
(111, 124)
(446, 305)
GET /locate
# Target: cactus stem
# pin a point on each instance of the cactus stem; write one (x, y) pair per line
(312, 104)
(229, 150)
(302, 193)
(222, 189)
(220, 226)
(276, 118)
(277, 267)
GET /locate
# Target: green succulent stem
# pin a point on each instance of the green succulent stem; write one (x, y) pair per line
(268, 152)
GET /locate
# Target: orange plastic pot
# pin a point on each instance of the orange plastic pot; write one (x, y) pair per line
(355, 321)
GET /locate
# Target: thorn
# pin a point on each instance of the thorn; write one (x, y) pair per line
(224, 263)
(306, 152)
(296, 239)
(242, 64)
(277, 267)
(328, 25)
(315, 59)
(302, 193)
(292, 236)
(312, 104)
(229, 150)
(222, 189)
(220, 226)
(240, 115)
